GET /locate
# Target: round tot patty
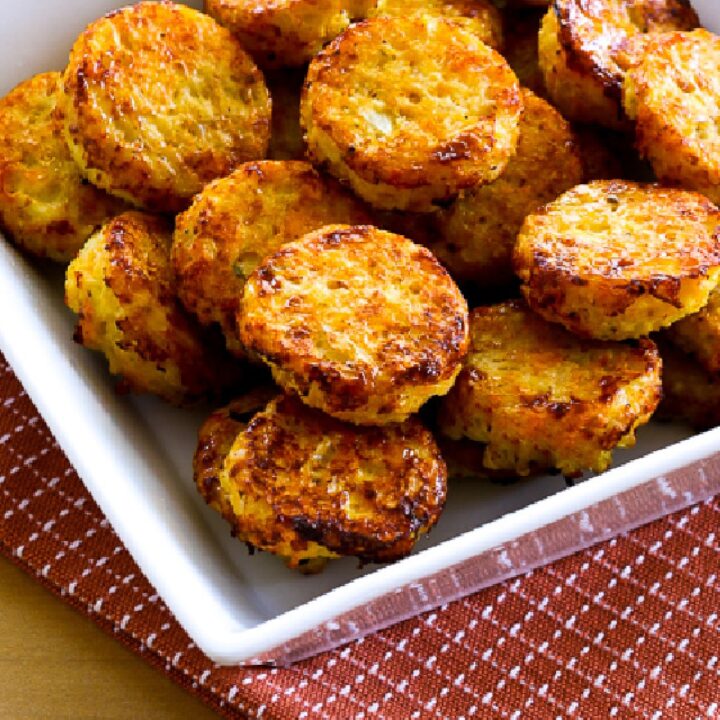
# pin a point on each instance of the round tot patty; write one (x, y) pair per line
(478, 231)
(540, 397)
(286, 32)
(699, 334)
(358, 322)
(615, 259)
(306, 486)
(690, 393)
(158, 100)
(673, 95)
(237, 221)
(410, 110)
(480, 17)
(45, 206)
(586, 48)
(122, 287)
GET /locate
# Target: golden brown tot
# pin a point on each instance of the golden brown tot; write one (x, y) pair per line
(286, 32)
(307, 487)
(410, 110)
(358, 322)
(674, 97)
(215, 438)
(539, 397)
(158, 100)
(615, 259)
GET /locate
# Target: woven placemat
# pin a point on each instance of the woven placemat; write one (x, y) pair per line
(628, 629)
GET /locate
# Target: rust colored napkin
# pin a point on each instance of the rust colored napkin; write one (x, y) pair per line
(628, 629)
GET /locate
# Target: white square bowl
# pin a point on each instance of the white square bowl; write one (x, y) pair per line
(135, 457)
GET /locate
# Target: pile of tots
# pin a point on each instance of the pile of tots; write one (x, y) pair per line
(284, 208)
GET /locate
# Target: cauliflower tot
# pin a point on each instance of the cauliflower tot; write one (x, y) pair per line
(673, 95)
(122, 288)
(410, 110)
(286, 32)
(158, 100)
(358, 322)
(540, 397)
(307, 487)
(616, 259)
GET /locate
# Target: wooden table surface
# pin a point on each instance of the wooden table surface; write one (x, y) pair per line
(56, 665)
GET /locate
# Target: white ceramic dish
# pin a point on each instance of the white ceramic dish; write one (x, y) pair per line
(134, 455)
